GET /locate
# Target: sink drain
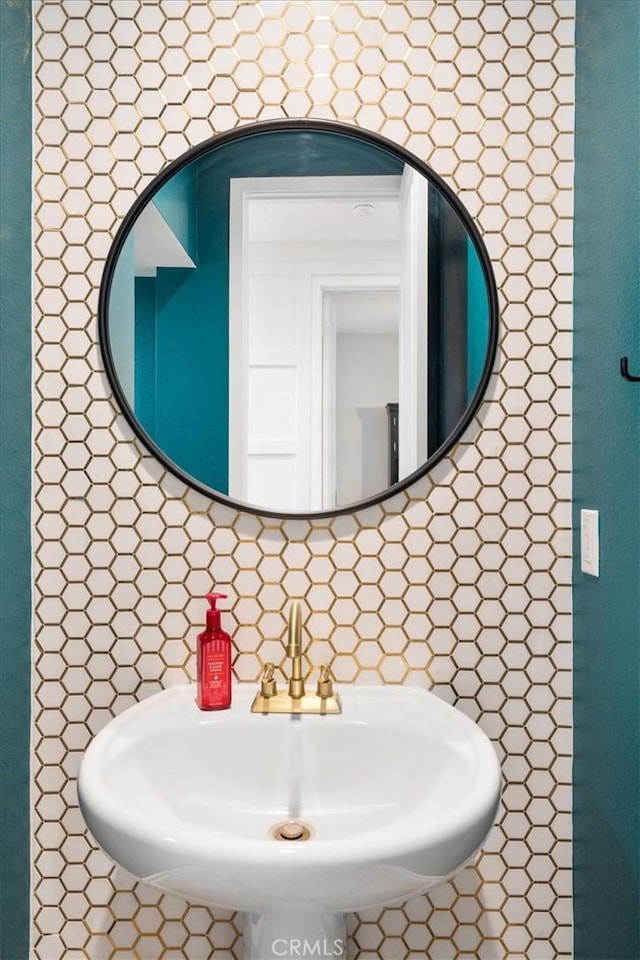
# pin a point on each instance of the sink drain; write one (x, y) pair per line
(291, 830)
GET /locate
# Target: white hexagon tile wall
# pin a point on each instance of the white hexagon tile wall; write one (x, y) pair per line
(479, 552)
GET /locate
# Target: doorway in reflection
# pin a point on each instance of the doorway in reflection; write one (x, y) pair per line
(366, 379)
(314, 349)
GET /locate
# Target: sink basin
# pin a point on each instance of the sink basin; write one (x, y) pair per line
(397, 793)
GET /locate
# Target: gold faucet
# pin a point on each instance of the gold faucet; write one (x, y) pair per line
(296, 699)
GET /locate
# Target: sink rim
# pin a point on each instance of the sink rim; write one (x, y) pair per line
(380, 843)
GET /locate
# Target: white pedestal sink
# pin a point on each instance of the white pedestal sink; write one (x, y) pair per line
(398, 793)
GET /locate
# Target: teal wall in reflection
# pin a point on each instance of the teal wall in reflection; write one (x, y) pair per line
(144, 387)
(477, 320)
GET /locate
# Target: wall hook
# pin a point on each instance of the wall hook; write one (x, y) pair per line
(624, 370)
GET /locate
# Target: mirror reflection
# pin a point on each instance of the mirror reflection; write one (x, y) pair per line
(298, 319)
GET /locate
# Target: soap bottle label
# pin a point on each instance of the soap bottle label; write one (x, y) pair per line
(214, 682)
(214, 669)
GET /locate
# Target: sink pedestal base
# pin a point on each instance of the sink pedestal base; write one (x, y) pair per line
(293, 933)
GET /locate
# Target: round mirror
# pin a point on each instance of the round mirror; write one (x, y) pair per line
(298, 318)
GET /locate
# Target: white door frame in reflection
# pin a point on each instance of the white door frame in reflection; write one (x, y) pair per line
(280, 450)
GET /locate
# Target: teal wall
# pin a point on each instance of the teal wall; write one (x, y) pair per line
(607, 478)
(15, 461)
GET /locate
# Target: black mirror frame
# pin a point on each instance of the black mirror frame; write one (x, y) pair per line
(239, 133)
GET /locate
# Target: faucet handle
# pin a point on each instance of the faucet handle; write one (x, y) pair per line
(325, 682)
(268, 684)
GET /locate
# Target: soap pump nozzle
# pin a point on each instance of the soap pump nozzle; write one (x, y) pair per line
(213, 614)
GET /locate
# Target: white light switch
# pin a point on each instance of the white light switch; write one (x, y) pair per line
(589, 543)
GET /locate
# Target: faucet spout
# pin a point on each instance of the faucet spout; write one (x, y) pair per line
(294, 651)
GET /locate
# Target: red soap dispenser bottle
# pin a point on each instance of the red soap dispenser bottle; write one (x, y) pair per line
(214, 661)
